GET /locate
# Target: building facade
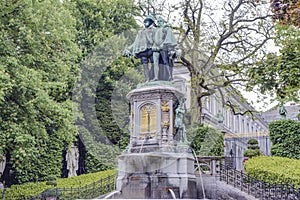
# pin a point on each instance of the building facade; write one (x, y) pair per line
(292, 112)
(237, 129)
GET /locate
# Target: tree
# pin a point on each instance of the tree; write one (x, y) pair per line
(37, 74)
(97, 21)
(220, 42)
(100, 25)
(286, 12)
(279, 73)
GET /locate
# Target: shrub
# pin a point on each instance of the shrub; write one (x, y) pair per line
(251, 153)
(274, 170)
(29, 190)
(253, 149)
(285, 137)
(252, 142)
(206, 141)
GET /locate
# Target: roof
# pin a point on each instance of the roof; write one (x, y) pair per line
(292, 111)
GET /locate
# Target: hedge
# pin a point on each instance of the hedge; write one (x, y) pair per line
(28, 190)
(285, 137)
(274, 169)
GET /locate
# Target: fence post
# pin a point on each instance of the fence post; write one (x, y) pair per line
(242, 180)
(94, 190)
(101, 185)
(220, 171)
(293, 190)
(269, 190)
(287, 190)
(249, 183)
(234, 178)
(3, 193)
(226, 175)
(281, 190)
(79, 197)
(213, 167)
(56, 193)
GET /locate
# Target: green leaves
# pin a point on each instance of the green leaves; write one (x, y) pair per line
(99, 21)
(274, 169)
(253, 149)
(29, 190)
(280, 74)
(37, 70)
(285, 137)
(207, 141)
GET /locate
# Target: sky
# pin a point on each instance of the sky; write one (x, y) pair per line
(252, 97)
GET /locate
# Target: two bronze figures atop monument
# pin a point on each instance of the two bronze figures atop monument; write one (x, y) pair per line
(155, 44)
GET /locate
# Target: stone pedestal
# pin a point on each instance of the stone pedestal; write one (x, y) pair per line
(154, 162)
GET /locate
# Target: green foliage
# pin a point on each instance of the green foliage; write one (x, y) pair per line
(252, 142)
(97, 25)
(53, 183)
(274, 170)
(251, 153)
(99, 21)
(51, 180)
(280, 74)
(285, 137)
(100, 156)
(28, 190)
(37, 71)
(206, 141)
(253, 149)
(93, 164)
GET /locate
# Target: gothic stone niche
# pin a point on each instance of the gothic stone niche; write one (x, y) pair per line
(152, 115)
(148, 122)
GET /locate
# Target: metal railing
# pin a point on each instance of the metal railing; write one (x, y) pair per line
(209, 164)
(94, 190)
(2, 192)
(257, 188)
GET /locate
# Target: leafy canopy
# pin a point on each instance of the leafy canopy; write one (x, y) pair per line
(37, 71)
(279, 74)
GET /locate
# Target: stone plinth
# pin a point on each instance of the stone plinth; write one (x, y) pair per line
(154, 162)
(150, 175)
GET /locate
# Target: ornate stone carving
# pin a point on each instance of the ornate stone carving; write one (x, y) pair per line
(165, 106)
(145, 97)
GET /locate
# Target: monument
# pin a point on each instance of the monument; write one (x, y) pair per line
(158, 163)
(282, 111)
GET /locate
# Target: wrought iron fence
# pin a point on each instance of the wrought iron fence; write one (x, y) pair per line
(257, 188)
(96, 189)
(208, 164)
(2, 192)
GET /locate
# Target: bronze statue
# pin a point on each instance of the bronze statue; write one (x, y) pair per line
(157, 45)
(164, 49)
(142, 46)
(179, 124)
(282, 111)
(220, 117)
